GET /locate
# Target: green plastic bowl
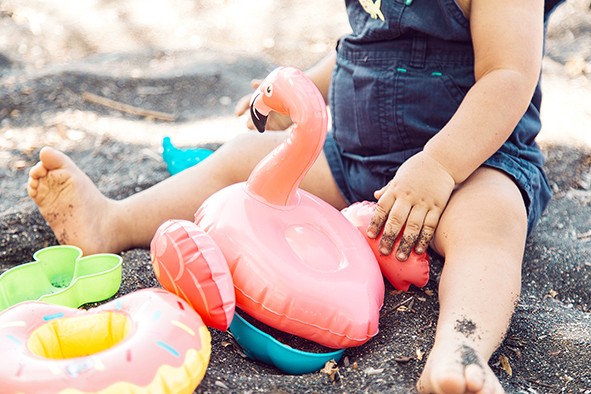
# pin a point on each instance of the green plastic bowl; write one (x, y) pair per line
(263, 347)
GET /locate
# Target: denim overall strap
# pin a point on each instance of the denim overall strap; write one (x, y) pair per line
(419, 50)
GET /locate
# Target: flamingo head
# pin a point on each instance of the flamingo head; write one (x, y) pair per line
(273, 94)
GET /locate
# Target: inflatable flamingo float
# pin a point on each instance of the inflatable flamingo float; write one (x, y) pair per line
(297, 264)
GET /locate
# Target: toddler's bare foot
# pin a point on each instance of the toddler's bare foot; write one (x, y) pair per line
(71, 204)
(456, 368)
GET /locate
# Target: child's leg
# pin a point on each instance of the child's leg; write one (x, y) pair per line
(80, 215)
(482, 237)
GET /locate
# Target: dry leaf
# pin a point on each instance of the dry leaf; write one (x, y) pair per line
(429, 292)
(331, 369)
(221, 384)
(403, 359)
(20, 164)
(505, 366)
(402, 308)
(515, 351)
(373, 371)
(419, 354)
(346, 362)
(552, 293)
(355, 365)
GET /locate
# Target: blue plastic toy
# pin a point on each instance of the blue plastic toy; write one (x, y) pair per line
(179, 159)
(263, 347)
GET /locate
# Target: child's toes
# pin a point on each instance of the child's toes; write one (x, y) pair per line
(474, 378)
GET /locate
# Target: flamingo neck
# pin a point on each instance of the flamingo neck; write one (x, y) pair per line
(276, 179)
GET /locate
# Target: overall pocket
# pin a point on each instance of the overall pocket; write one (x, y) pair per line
(382, 108)
(426, 99)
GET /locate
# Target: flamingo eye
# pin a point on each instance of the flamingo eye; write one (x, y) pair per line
(268, 90)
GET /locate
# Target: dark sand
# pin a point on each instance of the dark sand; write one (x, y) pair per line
(194, 62)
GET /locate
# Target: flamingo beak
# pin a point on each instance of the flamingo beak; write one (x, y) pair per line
(259, 120)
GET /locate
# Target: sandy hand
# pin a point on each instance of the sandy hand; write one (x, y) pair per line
(414, 199)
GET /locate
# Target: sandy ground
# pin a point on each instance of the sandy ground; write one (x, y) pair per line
(193, 61)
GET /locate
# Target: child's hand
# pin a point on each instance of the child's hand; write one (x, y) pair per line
(414, 199)
(275, 121)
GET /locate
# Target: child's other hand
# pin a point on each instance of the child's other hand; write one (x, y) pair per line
(275, 121)
(414, 199)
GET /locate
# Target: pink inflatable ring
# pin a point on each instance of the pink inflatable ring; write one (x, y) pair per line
(149, 341)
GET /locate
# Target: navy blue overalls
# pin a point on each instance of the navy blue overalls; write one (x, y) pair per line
(400, 76)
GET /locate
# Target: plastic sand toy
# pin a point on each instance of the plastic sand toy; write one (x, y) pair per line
(263, 347)
(179, 159)
(60, 275)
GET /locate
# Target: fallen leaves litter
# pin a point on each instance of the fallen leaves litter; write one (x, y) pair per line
(505, 366)
(401, 306)
(515, 351)
(221, 384)
(403, 359)
(331, 369)
(419, 353)
(373, 371)
(552, 293)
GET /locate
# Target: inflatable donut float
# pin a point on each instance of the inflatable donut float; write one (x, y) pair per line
(401, 274)
(149, 341)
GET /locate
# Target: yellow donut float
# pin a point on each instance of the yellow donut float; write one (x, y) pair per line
(149, 341)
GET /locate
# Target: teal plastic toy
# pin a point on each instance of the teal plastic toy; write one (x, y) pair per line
(178, 159)
(261, 346)
(60, 275)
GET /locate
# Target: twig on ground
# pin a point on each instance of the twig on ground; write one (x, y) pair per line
(586, 235)
(130, 109)
(395, 307)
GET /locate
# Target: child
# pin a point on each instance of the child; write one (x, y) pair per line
(435, 105)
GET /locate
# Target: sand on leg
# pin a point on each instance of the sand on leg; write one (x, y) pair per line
(482, 238)
(64, 195)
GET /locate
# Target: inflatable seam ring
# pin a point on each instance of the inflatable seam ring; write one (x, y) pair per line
(188, 263)
(149, 341)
